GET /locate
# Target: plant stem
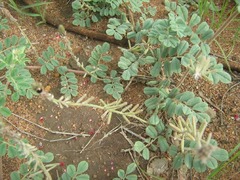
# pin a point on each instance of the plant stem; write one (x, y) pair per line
(114, 107)
(69, 70)
(91, 139)
(37, 137)
(222, 165)
(224, 26)
(49, 130)
(47, 174)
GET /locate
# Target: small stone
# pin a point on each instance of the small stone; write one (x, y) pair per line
(95, 176)
(47, 88)
(158, 166)
(234, 110)
(56, 75)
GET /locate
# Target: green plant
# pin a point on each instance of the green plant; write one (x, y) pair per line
(24, 10)
(171, 33)
(202, 7)
(127, 175)
(116, 28)
(161, 46)
(233, 156)
(194, 151)
(86, 12)
(13, 60)
(37, 164)
(16, 81)
(3, 24)
(76, 173)
(218, 14)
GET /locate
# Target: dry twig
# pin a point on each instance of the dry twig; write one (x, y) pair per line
(49, 130)
(210, 102)
(35, 136)
(91, 139)
(133, 156)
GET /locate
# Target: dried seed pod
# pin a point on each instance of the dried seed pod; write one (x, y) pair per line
(61, 30)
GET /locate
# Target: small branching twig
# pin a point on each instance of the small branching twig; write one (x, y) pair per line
(68, 70)
(35, 136)
(224, 25)
(133, 133)
(133, 156)
(115, 129)
(91, 139)
(210, 102)
(49, 130)
(129, 83)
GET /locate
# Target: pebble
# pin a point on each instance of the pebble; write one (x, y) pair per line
(47, 88)
(95, 176)
(56, 75)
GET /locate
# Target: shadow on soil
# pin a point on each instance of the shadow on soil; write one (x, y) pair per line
(103, 154)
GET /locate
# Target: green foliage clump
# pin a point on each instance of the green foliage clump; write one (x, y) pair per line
(189, 147)
(128, 173)
(17, 80)
(76, 173)
(36, 164)
(87, 12)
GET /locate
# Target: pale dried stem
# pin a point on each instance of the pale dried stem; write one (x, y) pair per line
(91, 139)
(115, 129)
(133, 133)
(133, 157)
(49, 130)
(69, 70)
(35, 136)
